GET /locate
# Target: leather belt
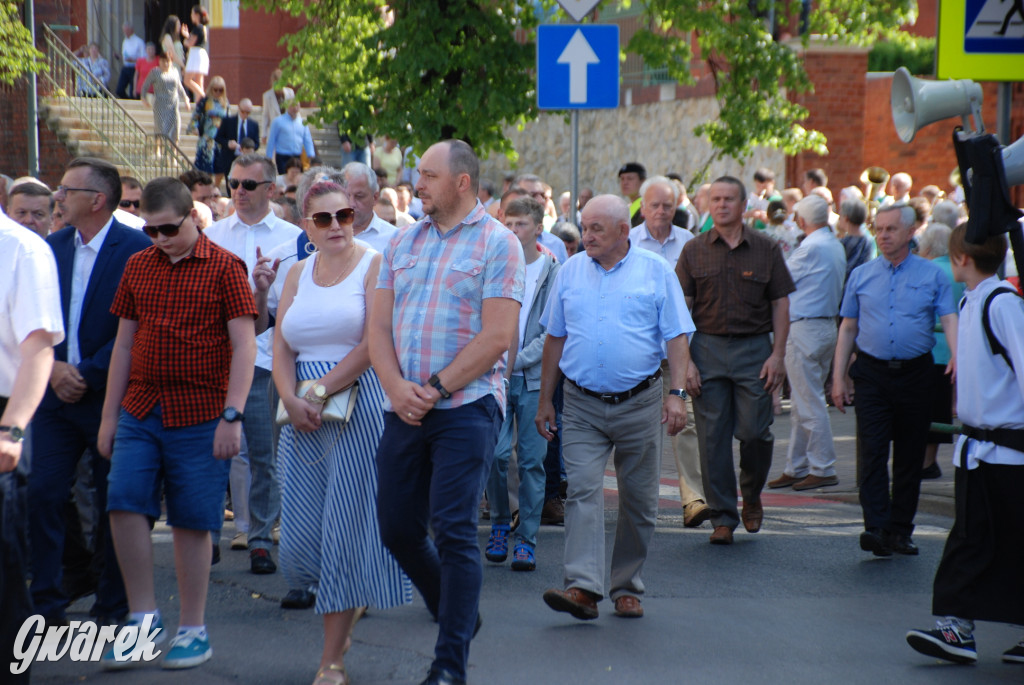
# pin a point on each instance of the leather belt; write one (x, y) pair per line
(1012, 438)
(619, 397)
(812, 318)
(898, 364)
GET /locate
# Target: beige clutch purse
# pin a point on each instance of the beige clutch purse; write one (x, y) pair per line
(337, 407)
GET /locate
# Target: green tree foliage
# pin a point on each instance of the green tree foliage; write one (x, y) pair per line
(17, 55)
(432, 69)
(425, 71)
(753, 72)
(916, 54)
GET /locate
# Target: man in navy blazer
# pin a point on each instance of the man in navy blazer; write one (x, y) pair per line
(233, 130)
(91, 252)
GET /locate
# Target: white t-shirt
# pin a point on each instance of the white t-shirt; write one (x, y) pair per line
(29, 295)
(533, 272)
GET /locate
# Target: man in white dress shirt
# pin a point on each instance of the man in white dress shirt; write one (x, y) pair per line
(133, 49)
(363, 191)
(252, 232)
(657, 234)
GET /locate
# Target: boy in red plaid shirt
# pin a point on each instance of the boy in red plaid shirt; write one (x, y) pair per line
(179, 375)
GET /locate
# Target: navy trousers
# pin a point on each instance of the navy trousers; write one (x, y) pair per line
(433, 475)
(15, 602)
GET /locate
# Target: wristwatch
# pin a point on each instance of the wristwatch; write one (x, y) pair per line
(678, 392)
(319, 393)
(436, 383)
(16, 434)
(231, 415)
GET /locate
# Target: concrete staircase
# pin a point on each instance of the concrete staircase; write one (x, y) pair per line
(82, 139)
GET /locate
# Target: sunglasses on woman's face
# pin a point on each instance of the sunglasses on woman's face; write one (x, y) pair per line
(248, 184)
(169, 230)
(323, 219)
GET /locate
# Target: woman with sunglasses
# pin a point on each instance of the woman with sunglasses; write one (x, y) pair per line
(210, 110)
(327, 470)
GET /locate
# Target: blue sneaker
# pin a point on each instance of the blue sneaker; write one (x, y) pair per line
(497, 543)
(945, 642)
(188, 649)
(136, 653)
(522, 558)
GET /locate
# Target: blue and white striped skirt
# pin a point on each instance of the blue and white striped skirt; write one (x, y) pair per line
(329, 531)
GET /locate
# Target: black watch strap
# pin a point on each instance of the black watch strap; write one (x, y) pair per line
(436, 383)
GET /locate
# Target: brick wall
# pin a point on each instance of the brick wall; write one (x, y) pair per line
(246, 56)
(837, 109)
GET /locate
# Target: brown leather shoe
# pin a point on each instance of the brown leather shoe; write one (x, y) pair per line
(783, 481)
(576, 601)
(628, 606)
(553, 512)
(752, 515)
(696, 513)
(812, 481)
(722, 536)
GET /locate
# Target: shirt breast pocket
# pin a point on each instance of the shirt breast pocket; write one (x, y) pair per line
(637, 310)
(404, 270)
(753, 287)
(465, 278)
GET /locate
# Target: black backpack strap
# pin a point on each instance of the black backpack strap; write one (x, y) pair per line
(993, 341)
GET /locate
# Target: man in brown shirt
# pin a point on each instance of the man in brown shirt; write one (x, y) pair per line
(736, 285)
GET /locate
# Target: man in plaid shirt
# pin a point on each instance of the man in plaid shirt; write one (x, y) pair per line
(445, 313)
(179, 375)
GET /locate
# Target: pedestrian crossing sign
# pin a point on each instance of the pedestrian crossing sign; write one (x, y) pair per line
(981, 40)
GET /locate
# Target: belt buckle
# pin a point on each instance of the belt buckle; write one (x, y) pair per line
(895, 364)
(609, 398)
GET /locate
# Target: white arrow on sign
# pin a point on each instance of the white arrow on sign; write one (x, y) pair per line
(578, 54)
(578, 9)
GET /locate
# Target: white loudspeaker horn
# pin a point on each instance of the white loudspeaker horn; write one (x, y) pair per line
(1013, 163)
(916, 103)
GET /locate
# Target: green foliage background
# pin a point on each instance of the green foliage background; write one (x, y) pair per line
(453, 68)
(17, 55)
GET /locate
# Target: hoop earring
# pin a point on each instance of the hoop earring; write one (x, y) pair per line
(310, 248)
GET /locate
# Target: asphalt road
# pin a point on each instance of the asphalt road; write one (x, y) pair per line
(796, 603)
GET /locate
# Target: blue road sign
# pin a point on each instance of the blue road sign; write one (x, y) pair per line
(577, 66)
(994, 26)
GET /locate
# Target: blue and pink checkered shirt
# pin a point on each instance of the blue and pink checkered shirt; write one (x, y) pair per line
(440, 281)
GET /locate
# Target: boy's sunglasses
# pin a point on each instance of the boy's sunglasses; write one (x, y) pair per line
(248, 184)
(169, 230)
(323, 219)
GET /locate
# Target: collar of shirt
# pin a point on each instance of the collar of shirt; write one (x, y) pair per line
(673, 233)
(268, 221)
(378, 225)
(618, 265)
(201, 250)
(97, 240)
(717, 237)
(475, 216)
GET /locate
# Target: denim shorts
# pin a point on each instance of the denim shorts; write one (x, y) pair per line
(150, 460)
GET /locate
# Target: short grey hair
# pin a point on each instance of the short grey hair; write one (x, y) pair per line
(660, 180)
(854, 210)
(358, 169)
(946, 212)
(566, 231)
(813, 209)
(908, 217)
(934, 240)
(315, 175)
(253, 158)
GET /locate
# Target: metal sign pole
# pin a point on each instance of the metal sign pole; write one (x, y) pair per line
(575, 185)
(33, 94)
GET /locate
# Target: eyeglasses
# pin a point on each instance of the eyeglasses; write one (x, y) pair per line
(169, 230)
(248, 184)
(66, 190)
(125, 204)
(323, 219)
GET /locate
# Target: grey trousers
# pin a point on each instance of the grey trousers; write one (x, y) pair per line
(591, 429)
(684, 448)
(732, 403)
(809, 350)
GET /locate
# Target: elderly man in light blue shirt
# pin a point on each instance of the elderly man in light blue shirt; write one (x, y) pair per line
(889, 310)
(610, 315)
(289, 137)
(818, 267)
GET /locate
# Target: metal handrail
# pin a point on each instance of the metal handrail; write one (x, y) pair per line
(141, 154)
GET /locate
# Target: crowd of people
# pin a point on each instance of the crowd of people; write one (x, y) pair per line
(355, 385)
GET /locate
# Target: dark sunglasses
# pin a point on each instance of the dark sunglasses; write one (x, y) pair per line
(125, 204)
(248, 184)
(323, 219)
(169, 230)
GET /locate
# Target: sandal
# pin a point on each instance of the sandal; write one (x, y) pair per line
(331, 674)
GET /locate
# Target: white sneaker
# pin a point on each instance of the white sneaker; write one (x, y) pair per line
(240, 541)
